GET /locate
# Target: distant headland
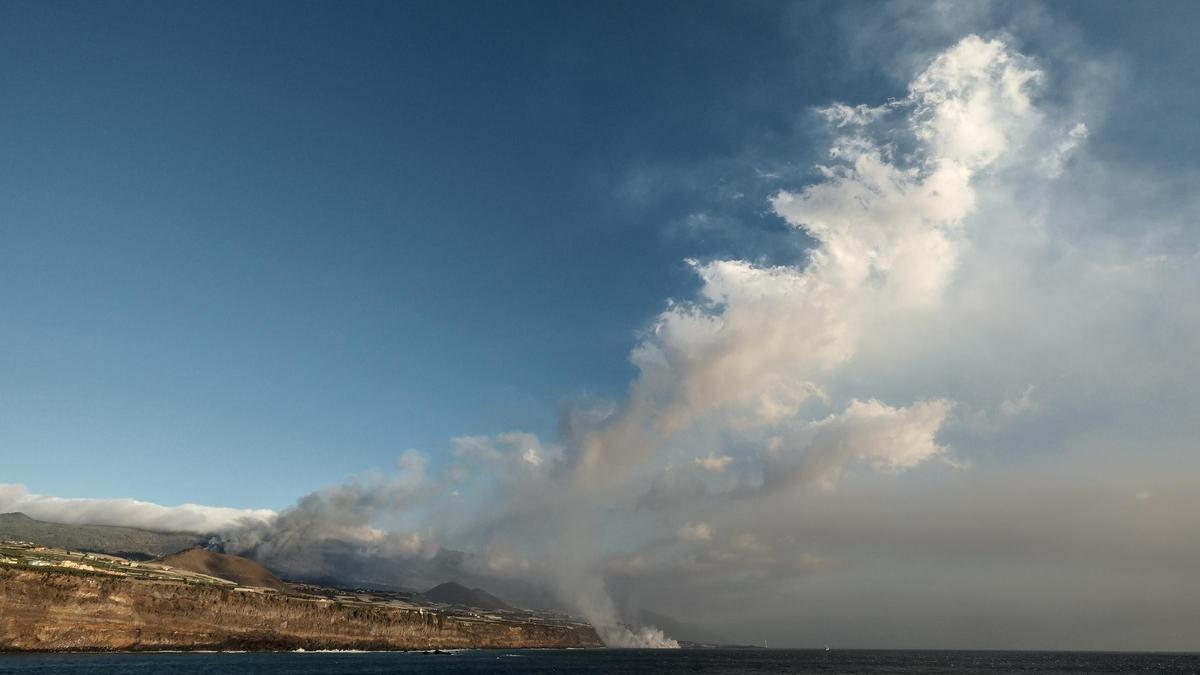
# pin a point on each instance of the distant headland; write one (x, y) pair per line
(62, 589)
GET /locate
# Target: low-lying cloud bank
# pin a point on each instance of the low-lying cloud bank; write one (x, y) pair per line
(129, 512)
(974, 303)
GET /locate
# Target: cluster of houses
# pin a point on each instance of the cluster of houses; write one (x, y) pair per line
(29, 554)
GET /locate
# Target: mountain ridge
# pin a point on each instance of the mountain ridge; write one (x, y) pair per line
(454, 593)
(128, 542)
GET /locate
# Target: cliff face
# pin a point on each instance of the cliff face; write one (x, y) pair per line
(52, 611)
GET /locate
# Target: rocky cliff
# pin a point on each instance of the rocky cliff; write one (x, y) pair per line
(53, 610)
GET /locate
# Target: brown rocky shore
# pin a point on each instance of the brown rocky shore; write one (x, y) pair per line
(52, 609)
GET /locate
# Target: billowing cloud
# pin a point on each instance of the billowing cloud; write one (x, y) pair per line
(129, 512)
(334, 531)
(697, 532)
(884, 437)
(714, 463)
(739, 402)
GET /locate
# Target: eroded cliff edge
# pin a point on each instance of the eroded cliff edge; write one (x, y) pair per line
(52, 610)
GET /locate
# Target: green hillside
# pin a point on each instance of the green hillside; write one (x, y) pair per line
(124, 541)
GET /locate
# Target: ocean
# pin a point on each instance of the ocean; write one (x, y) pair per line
(602, 661)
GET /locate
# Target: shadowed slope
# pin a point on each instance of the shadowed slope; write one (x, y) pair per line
(123, 541)
(451, 593)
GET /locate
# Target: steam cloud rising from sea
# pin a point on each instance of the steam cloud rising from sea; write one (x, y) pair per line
(955, 266)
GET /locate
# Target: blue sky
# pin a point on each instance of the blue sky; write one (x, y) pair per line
(297, 240)
(294, 240)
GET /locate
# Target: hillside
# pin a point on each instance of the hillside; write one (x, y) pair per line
(57, 609)
(451, 593)
(233, 568)
(123, 541)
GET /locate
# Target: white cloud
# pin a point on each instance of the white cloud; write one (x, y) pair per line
(1052, 164)
(972, 103)
(129, 512)
(1020, 405)
(714, 463)
(884, 437)
(889, 235)
(696, 532)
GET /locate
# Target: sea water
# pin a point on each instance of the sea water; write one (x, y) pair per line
(602, 661)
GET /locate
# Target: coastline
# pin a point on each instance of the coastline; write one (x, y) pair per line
(52, 611)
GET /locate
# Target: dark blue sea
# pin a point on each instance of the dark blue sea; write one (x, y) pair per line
(604, 661)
